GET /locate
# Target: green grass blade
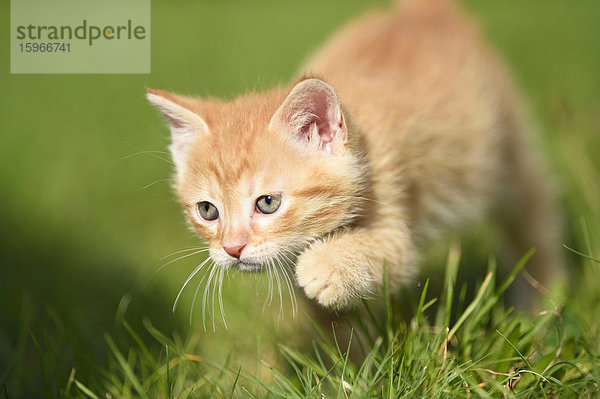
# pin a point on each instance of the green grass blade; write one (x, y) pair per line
(129, 374)
(67, 390)
(516, 350)
(472, 306)
(40, 355)
(421, 302)
(86, 390)
(582, 254)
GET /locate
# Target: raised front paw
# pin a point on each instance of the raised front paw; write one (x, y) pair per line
(334, 279)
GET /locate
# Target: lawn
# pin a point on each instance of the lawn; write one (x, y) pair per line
(88, 219)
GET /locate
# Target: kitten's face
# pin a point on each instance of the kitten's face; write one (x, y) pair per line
(259, 179)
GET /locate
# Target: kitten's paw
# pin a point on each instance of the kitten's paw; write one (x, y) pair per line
(332, 278)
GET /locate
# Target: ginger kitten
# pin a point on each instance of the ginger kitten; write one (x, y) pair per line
(406, 125)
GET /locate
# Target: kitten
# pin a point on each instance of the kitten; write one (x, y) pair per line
(406, 126)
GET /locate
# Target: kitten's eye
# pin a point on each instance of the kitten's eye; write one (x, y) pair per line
(207, 210)
(268, 203)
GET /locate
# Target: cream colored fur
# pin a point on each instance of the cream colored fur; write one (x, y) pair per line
(418, 130)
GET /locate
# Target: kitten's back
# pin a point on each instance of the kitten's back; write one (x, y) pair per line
(442, 118)
(425, 92)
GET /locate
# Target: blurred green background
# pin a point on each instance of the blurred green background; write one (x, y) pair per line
(86, 214)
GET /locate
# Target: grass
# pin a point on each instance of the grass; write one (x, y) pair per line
(84, 227)
(487, 351)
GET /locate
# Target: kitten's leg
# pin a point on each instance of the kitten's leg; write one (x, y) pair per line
(531, 220)
(349, 265)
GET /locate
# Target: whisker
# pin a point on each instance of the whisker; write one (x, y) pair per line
(288, 283)
(192, 274)
(270, 274)
(290, 256)
(214, 290)
(151, 153)
(287, 265)
(175, 260)
(181, 257)
(145, 152)
(195, 295)
(221, 297)
(207, 293)
(154, 182)
(278, 288)
(183, 250)
(285, 253)
(151, 276)
(294, 253)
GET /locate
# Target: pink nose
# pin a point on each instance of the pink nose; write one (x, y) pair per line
(234, 251)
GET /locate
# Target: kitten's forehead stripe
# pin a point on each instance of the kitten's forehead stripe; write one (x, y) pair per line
(242, 166)
(215, 171)
(240, 141)
(325, 191)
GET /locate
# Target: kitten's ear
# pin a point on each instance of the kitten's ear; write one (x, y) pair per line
(185, 124)
(312, 113)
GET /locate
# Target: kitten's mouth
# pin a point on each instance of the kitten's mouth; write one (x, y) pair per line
(259, 264)
(245, 266)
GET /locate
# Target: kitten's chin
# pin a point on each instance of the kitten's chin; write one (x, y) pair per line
(248, 267)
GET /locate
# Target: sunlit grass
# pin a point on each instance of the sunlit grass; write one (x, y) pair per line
(476, 349)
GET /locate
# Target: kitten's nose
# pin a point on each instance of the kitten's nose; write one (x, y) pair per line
(234, 251)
